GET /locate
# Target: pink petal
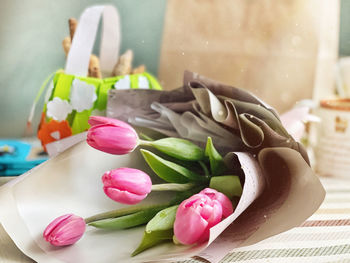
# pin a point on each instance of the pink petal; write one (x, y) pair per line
(194, 218)
(216, 214)
(65, 230)
(69, 233)
(227, 208)
(112, 139)
(123, 197)
(206, 211)
(48, 230)
(215, 218)
(98, 120)
(189, 226)
(195, 200)
(128, 179)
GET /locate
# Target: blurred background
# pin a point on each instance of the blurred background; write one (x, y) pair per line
(31, 33)
(344, 43)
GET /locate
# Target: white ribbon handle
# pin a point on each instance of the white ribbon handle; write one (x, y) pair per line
(84, 38)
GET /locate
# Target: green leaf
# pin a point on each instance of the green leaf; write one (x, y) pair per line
(128, 210)
(193, 166)
(163, 220)
(153, 238)
(217, 165)
(179, 148)
(169, 171)
(128, 221)
(158, 229)
(229, 185)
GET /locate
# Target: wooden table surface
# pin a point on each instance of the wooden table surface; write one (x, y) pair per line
(8, 250)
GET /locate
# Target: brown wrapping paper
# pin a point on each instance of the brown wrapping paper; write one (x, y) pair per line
(280, 189)
(278, 178)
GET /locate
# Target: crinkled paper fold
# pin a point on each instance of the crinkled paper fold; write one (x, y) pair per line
(280, 190)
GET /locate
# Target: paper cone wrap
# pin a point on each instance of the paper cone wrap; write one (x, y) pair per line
(280, 190)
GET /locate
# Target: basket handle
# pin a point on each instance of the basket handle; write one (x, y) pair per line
(84, 38)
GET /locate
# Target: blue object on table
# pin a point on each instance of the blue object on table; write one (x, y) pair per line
(14, 158)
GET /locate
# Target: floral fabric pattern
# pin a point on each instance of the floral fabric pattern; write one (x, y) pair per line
(143, 82)
(58, 109)
(123, 83)
(82, 96)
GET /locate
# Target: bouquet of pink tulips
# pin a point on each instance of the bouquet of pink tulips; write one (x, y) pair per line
(199, 170)
(206, 192)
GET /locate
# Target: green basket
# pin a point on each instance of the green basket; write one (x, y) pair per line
(54, 128)
(72, 97)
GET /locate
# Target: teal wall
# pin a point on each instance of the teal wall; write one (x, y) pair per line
(31, 33)
(344, 38)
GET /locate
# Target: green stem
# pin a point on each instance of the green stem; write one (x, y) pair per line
(139, 208)
(205, 169)
(172, 187)
(122, 212)
(128, 221)
(145, 143)
(145, 137)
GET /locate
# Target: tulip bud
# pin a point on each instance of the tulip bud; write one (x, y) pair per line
(111, 135)
(227, 208)
(126, 185)
(65, 230)
(194, 217)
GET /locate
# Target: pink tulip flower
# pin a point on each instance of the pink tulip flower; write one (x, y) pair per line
(126, 185)
(65, 230)
(194, 217)
(111, 135)
(227, 208)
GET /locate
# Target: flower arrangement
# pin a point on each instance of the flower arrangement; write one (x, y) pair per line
(205, 192)
(218, 142)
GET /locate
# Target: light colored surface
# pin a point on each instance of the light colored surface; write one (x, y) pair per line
(4, 180)
(8, 250)
(327, 232)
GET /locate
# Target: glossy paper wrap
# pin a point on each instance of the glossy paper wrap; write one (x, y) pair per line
(278, 180)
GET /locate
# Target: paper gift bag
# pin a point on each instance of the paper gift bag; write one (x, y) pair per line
(279, 50)
(72, 96)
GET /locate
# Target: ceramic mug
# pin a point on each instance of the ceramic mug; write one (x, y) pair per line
(332, 150)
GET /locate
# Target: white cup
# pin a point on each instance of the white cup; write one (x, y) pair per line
(332, 149)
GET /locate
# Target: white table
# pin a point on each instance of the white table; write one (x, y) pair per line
(331, 220)
(8, 251)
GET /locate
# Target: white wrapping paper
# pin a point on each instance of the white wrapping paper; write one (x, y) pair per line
(280, 190)
(70, 183)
